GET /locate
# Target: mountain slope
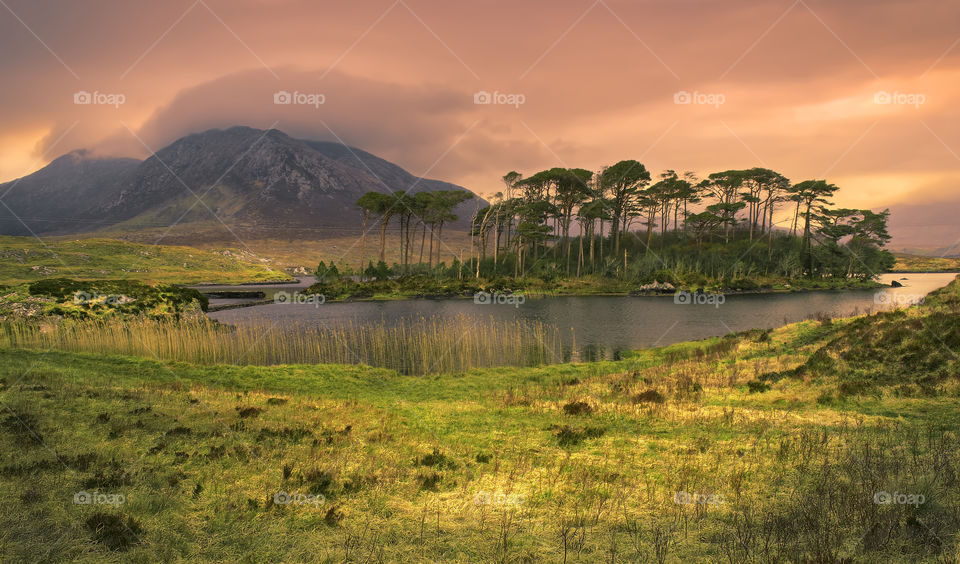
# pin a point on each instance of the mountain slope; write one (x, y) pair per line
(67, 195)
(217, 183)
(24, 259)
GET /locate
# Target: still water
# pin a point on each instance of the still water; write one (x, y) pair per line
(599, 326)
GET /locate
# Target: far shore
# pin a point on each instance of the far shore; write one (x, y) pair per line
(557, 294)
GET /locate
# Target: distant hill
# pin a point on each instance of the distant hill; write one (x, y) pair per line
(920, 263)
(24, 259)
(256, 182)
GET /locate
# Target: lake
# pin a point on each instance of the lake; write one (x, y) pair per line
(599, 326)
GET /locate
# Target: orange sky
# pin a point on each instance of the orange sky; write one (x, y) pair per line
(862, 92)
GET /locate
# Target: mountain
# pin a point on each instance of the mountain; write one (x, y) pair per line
(253, 181)
(66, 195)
(925, 228)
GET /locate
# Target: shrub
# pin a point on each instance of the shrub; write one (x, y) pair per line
(113, 531)
(577, 408)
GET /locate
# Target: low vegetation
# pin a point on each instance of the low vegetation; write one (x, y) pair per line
(382, 282)
(46, 302)
(753, 447)
(26, 259)
(414, 346)
(918, 263)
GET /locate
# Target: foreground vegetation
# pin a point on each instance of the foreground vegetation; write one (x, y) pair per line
(780, 445)
(54, 303)
(417, 346)
(26, 259)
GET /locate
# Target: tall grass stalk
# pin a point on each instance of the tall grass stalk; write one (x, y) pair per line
(417, 346)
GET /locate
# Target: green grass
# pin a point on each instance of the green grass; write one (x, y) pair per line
(25, 259)
(567, 462)
(917, 263)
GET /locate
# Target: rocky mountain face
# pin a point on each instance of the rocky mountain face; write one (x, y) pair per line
(248, 179)
(65, 196)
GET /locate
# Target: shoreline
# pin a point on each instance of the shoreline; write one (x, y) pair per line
(541, 295)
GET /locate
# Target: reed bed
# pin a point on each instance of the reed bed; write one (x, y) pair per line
(411, 346)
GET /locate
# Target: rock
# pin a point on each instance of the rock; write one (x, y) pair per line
(654, 288)
(895, 284)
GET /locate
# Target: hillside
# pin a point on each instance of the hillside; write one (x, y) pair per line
(919, 263)
(25, 259)
(252, 184)
(674, 454)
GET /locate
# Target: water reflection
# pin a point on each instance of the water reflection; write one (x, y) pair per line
(602, 327)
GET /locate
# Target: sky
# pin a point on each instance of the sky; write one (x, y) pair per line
(860, 92)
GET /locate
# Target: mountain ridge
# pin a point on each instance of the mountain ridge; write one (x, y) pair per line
(240, 177)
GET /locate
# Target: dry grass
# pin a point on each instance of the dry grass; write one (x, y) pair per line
(421, 346)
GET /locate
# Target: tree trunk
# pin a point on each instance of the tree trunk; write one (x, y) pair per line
(363, 241)
(383, 238)
(423, 238)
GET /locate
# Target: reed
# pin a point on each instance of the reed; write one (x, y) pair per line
(411, 346)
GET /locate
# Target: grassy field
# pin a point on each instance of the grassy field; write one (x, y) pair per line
(304, 248)
(25, 259)
(820, 441)
(434, 345)
(917, 263)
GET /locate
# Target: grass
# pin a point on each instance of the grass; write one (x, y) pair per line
(668, 455)
(303, 248)
(26, 259)
(917, 263)
(53, 300)
(419, 346)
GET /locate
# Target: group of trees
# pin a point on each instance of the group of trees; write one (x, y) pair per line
(675, 207)
(575, 222)
(428, 210)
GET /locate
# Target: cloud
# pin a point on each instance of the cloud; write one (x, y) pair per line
(599, 80)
